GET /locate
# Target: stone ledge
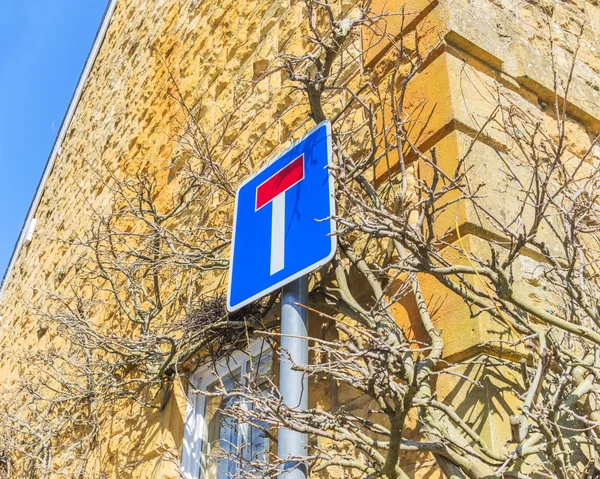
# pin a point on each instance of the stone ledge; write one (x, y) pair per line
(488, 33)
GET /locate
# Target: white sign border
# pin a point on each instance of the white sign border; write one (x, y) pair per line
(308, 269)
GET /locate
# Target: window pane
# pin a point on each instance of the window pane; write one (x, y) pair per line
(230, 446)
(255, 444)
(261, 365)
(228, 443)
(222, 431)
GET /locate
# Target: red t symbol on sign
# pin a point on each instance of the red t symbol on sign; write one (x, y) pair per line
(273, 191)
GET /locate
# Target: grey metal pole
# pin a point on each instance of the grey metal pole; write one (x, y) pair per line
(292, 384)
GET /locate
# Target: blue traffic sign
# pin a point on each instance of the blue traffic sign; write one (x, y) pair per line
(283, 226)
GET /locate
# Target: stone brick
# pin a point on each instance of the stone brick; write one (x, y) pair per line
(216, 53)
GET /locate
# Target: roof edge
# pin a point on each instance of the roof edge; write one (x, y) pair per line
(73, 104)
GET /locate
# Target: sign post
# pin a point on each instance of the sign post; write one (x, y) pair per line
(283, 229)
(293, 384)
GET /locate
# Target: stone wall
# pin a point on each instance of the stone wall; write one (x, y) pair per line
(216, 53)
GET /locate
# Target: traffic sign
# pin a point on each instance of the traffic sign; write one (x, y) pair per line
(283, 226)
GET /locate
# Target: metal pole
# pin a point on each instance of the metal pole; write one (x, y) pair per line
(292, 384)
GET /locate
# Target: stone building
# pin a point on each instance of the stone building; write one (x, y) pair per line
(151, 58)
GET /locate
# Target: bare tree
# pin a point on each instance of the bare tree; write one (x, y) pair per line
(148, 254)
(134, 316)
(388, 238)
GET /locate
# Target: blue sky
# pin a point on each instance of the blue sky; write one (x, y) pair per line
(43, 47)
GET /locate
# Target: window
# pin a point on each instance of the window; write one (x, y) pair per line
(215, 446)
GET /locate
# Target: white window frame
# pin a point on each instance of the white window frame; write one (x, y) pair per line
(195, 433)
